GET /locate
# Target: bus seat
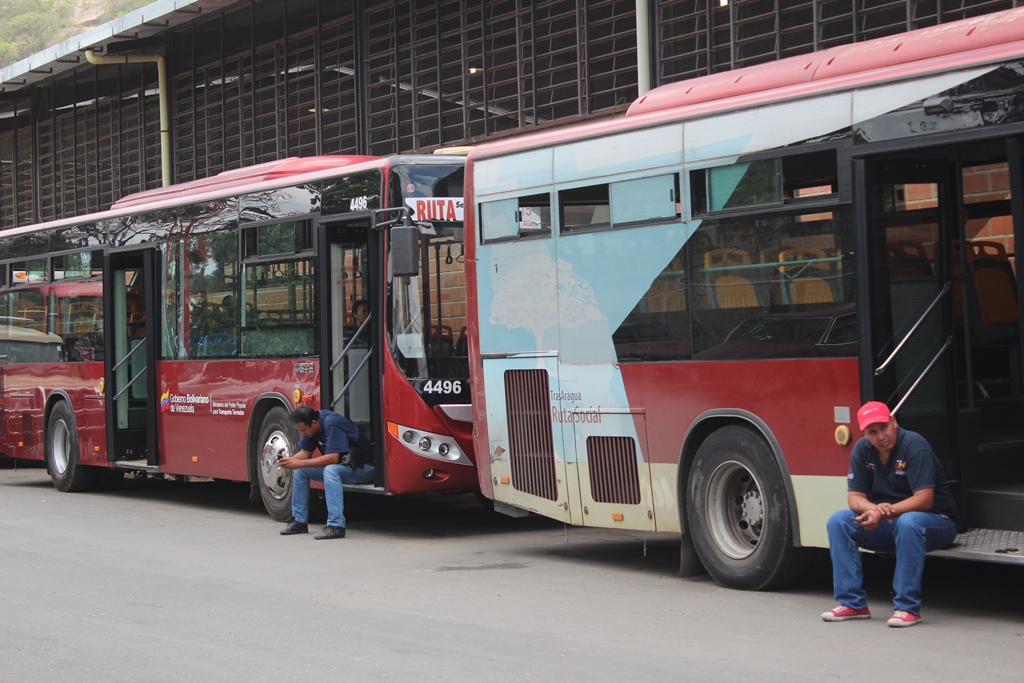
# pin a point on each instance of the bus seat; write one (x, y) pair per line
(442, 337)
(725, 257)
(666, 295)
(908, 258)
(810, 290)
(770, 255)
(219, 344)
(803, 267)
(83, 308)
(735, 291)
(994, 285)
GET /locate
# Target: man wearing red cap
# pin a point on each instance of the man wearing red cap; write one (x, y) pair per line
(899, 503)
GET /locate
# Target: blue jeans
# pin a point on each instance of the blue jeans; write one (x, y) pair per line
(909, 536)
(333, 477)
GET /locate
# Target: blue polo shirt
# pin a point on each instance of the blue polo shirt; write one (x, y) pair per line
(335, 435)
(912, 466)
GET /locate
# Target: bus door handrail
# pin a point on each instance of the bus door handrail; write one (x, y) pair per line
(126, 387)
(945, 347)
(911, 331)
(344, 353)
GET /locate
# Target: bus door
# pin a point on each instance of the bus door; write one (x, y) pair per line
(129, 291)
(350, 331)
(944, 312)
(527, 438)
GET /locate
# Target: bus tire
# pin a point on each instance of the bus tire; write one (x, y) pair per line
(62, 454)
(738, 513)
(275, 482)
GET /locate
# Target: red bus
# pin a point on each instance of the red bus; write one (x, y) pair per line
(173, 333)
(674, 315)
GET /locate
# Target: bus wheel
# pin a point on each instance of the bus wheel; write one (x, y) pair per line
(62, 456)
(738, 513)
(275, 482)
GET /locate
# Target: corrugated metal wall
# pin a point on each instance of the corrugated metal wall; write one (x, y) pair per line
(265, 80)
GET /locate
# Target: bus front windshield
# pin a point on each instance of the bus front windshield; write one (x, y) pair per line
(429, 320)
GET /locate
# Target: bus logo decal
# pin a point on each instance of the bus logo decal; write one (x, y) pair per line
(436, 208)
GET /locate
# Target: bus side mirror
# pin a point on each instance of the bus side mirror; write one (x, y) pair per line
(405, 253)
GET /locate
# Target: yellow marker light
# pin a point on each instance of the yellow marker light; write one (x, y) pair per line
(297, 395)
(101, 386)
(21, 444)
(195, 458)
(503, 480)
(95, 449)
(842, 435)
(393, 429)
(616, 516)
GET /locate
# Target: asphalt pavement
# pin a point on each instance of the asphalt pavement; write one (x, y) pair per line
(164, 581)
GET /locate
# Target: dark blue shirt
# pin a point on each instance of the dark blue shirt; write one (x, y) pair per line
(912, 466)
(335, 435)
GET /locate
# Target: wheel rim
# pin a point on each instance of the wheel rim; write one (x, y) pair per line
(735, 510)
(277, 481)
(59, 445)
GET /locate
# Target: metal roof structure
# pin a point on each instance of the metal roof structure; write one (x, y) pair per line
(132, 28)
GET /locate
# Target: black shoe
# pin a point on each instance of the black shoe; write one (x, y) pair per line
(294, 528)
(331, 532)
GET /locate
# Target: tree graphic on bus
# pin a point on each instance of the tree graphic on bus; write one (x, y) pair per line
(530, 294)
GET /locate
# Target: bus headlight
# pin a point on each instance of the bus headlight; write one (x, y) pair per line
(428, 444)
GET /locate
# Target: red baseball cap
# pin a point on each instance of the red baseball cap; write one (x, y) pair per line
(872, 412)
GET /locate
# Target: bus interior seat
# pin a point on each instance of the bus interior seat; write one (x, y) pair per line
(666, 295)
(219, 344)
(805, 285)
(462, 343)
(441, 337)
(725, 257)
(735, 291)
(770, 255)
(908, 258)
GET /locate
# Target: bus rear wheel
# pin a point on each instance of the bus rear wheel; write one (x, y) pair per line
(738, 513)
(62, 455)
(275, 482)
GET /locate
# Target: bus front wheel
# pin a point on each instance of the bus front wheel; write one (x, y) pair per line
(738, 513)
(62, 455)
(275, 482)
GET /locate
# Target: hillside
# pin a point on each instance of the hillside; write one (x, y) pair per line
(29, 26)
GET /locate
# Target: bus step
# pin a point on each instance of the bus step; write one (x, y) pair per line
(136, 465)
(986, 545)
(999, 506)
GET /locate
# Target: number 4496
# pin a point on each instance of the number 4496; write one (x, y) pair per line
(447, 386)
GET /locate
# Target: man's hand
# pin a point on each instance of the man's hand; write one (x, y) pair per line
(887, 510)
(870, 519)
(289, 463)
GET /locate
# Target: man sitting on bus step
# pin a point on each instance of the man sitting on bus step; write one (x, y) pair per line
(899, 503)
(346, 457)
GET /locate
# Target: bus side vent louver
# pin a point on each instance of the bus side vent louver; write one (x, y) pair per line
(613, 469)
(531, 446)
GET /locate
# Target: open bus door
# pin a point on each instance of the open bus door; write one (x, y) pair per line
(129, 292)
(943, 319)
(349, 375)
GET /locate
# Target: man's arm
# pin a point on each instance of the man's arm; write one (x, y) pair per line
(305, 459)
(871, 514)
(921, 500)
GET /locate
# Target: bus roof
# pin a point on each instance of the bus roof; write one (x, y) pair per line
(967, 35)
(266, 176)
(240, 179)
(986, 39)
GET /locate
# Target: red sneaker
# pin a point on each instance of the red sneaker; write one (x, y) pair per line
(844, 613)
(901, 618)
